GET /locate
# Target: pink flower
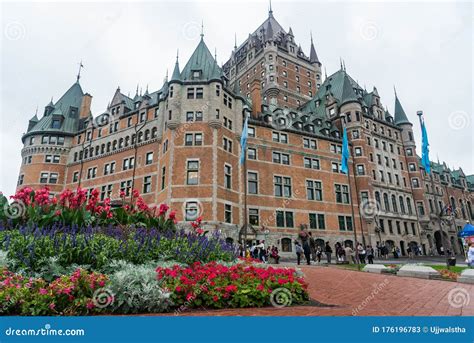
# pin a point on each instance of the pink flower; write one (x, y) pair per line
(231, 288)
(163, 209)
(52, 306)
(90, 305)
(57, 213)
(43, 291)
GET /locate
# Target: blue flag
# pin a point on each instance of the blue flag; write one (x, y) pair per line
(345, 153)
(243, 140)
(425, 151)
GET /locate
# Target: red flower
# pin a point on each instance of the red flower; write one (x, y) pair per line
(231, 289)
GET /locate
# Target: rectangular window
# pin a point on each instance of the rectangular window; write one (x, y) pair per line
(75, 177)
(192, 173)
(360, 169)
(228, 213)
(190, 93)
(251, 131)
(251, 153)
(342, 194)
(228, 176)
(309, 143)
(53, 177)
(345, 223)
(282, 186)
(163, 177)
(253, 217)
(280, 137)
(284, 219)
(311, 163)
(252, 181)
(147, 184)
(314, 190)
(149, 158)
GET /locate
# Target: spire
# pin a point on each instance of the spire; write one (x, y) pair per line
(290, 32)
(79, 72)
(325, 73)
(235, 41)
(400, 116)
(269, 31)
(176, 76)
(313, 57)
(202, 29)
(340, 61)
(270, 10)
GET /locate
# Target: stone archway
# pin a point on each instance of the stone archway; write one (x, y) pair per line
(438, 236)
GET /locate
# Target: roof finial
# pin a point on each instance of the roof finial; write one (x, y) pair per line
(136, 93)
(215, 54)
(202, 29)
(325, 73)
(340, 61)
(344, 64)
(395, 90)
(177, 54)
(166, 77)
(235, 41)
(79, 72)
(270, 11)
(36, 112)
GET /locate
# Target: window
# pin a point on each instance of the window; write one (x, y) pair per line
(75, 177)
(44, 178)
(314, 190)
(345, 223)
(32, 140)
(336, 149)
(228, 176)
(390, 226)
(128, 163)
(358, 151)
(147, 184)
(284, 219)
(53, 177)
(252, 181)
(251, 153)
(409, 152)
(286, 245)
(311, 163)
(402, 204)
(282, 186)
(227, 100)
(91, 173)
(228, 123)
(280, 137)
(190, 93)
(253, 217)
(309, 143)
(227, 144)
(415, 183)
(335, 167)
(412, 167)
(316, 221)
(394, 204)
(193, 139)
(163, 177)
(228, 213)
(360, 169)
(342, 194)
(281, 158)
(105, 192)
(149, 158)
(191, 211)
(251, 131)
(192, 172)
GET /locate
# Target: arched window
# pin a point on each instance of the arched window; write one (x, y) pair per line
(394, 204)
(153, 132)
(134, 138)
(469, 210)
(108, 146)
(102, 148)
(377, 199)
(120, 143)
(140, 137)
(463, 211)
(386, 204)
(402, 204)
(114, 145)
(286, 245)
(410, 209)
(147, 135)
(127, 139)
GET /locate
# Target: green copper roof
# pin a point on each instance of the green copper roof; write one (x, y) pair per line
(176, 76)
(400, 116)
(62, 109)
(203, 62)
(348, 94)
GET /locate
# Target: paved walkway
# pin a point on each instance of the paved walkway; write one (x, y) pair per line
(365, 294)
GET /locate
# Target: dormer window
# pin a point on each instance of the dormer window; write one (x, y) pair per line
(137, 104)
(56, 123)
(196, 74)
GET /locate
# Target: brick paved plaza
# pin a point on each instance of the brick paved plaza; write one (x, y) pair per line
(377, 295)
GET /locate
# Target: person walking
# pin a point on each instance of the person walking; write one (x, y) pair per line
(328, 252)
(299, 251)
(319, 252)
(361, 252)
(349, 254)
(370, 254)
(470, 256)
(261, 251)
(312, 246)
(307, 252)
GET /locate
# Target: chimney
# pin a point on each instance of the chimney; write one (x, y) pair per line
(256, 95)
(85, 106)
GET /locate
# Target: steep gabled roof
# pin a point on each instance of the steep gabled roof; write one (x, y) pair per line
(400, 116)
(313, 57)
(203, 61)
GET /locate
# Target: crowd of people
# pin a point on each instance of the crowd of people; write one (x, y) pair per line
(260, 252)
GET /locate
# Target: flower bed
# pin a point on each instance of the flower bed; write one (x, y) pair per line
(216, 286)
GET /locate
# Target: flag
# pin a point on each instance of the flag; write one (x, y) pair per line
(425, 159)
(243, 141)
(345, 153)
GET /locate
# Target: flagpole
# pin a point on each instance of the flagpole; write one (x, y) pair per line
(350, 193)
(244, 160)
(420, 115)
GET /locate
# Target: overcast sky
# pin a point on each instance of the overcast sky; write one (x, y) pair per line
(425, 49)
